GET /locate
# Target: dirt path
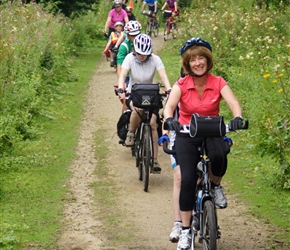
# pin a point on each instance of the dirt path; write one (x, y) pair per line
(150, 212)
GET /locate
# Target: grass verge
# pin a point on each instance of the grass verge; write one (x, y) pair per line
(32, 193)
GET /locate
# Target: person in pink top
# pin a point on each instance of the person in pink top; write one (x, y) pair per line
(200, 92)
(117, 14)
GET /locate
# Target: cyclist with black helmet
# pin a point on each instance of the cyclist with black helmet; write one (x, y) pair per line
(199, 92)
(142, 64)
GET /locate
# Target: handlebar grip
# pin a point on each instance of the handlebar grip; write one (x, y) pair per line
(166, 150)
(245, 125)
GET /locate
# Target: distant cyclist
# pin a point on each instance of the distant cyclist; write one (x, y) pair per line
(152, 6)
(115, 15)
(172, 5)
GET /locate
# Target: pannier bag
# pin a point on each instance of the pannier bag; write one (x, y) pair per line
(145, 95)
(123, 124)
(207, 126)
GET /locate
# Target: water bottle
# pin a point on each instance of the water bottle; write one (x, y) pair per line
(199, 194)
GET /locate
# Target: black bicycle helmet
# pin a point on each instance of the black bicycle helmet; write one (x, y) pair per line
(194, 42)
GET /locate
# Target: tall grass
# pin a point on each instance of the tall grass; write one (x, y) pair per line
(251, 50)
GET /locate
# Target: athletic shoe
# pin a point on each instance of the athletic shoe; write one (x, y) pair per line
(184, 240)
(175, 232)
(219, 197)
(130, 139)
(112, 63)
(156, 169)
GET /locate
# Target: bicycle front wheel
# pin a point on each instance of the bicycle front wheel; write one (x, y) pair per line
(209, 236)
(147, 156)
(148, 28)
(155, 29)
(166, 31)
(174, 30)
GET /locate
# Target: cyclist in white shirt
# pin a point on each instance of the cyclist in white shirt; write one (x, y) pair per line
(142, 64)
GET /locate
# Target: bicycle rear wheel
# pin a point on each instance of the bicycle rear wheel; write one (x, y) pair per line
(137, 153)
(147, 156)
(209, 236)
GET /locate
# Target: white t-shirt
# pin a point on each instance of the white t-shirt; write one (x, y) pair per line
(141, 72)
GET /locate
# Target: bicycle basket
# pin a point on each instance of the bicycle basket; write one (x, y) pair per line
(167, 13)
(147, 13)
(145, 95)
(207, 126)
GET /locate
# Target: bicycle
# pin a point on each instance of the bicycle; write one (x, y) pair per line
(152, 25)
(204, 219)
(147, 97)
(170, 25)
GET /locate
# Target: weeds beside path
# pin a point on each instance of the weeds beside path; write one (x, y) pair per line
(131, 219)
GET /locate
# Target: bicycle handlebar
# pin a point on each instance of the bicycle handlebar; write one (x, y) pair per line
(170, 152)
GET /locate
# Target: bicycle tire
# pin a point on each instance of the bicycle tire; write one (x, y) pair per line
(174, 30)
(147, 156)
(137, 154)
(148, 28)
(209, 237)
(165, 31)
(155, 30)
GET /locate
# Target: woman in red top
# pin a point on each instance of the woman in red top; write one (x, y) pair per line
(199, 92)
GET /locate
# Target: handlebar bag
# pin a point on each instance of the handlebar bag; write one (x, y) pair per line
(207, 126)
(147, 13)
(167, 13)
(145, 95)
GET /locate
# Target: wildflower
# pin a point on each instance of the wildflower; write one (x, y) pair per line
(239, 74)
(266, 76)
(280, 75)
(274, 81)
(280, 90)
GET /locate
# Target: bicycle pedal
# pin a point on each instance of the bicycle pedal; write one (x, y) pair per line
(155, 172)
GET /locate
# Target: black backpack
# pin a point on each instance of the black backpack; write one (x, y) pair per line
(123, 124)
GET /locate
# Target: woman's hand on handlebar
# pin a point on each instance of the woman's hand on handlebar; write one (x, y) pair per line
(171, 124)
(238, 123)
(121, 93)
(162, 139)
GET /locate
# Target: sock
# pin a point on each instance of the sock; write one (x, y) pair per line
(213, 185)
